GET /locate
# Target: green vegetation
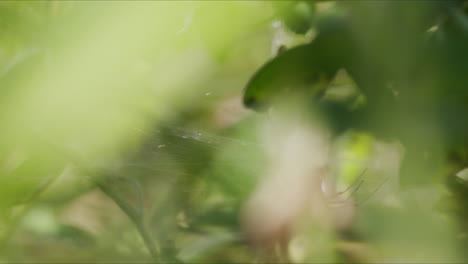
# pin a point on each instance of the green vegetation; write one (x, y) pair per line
(124, 136)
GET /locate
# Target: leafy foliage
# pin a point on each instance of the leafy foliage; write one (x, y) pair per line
(124, 139)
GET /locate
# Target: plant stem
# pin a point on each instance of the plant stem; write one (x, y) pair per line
(135, 218)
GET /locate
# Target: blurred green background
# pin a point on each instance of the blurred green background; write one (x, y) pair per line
(123, 137)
